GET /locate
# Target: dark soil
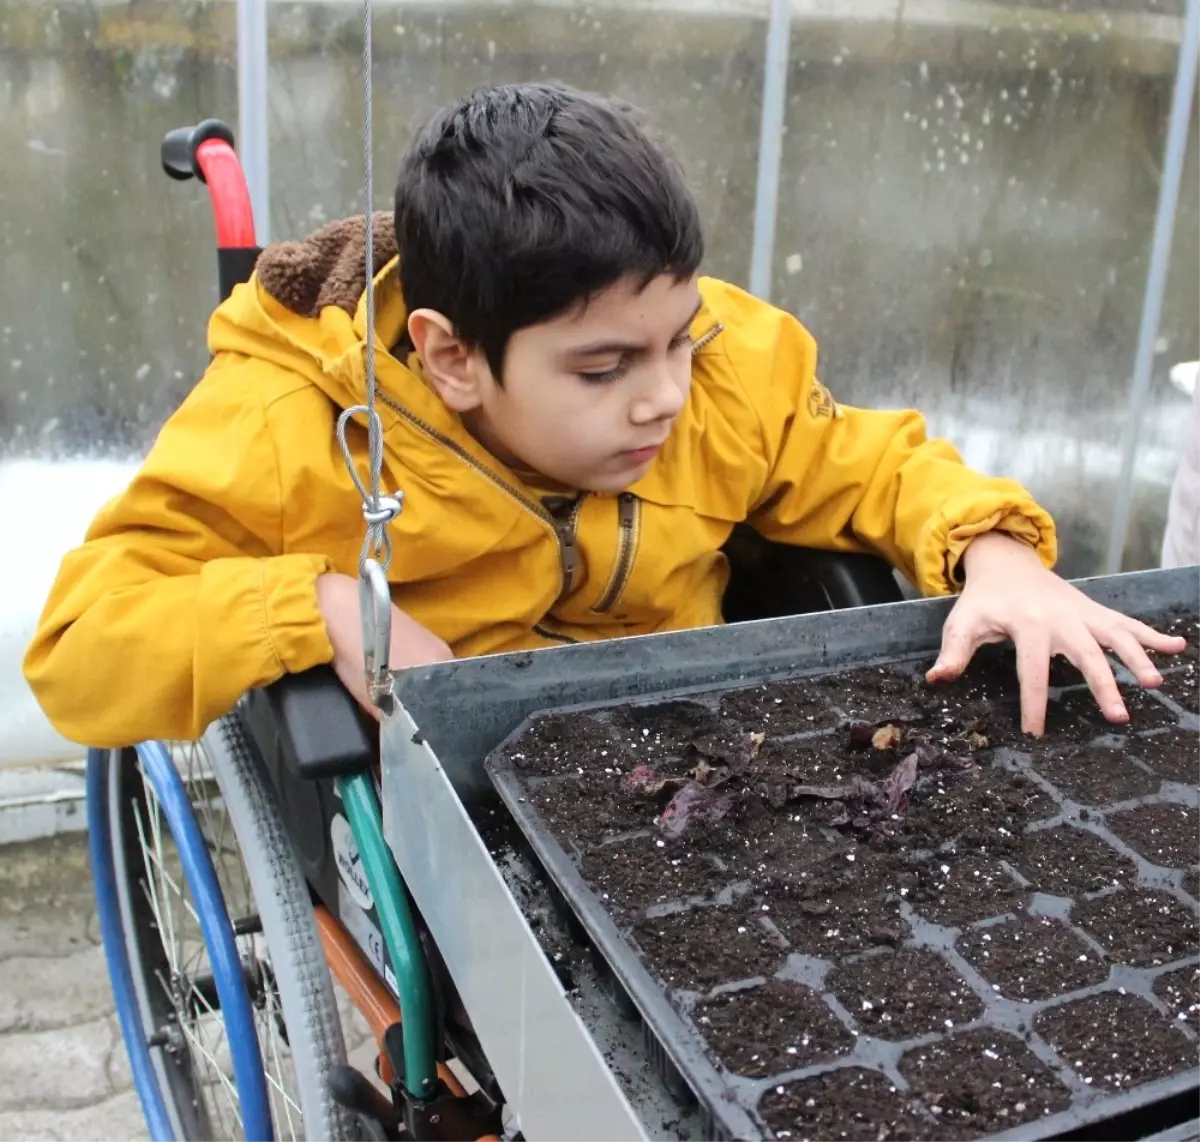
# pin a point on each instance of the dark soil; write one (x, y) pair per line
(899, 995)
(876, 695)
(1116, 1042)
(565, 743)
(1172, 755)
(1096, 775)
(768, 1030)
(1075, 713)
(954, 889)
(1179, 625)
(1183, 686)
(982, 1082)
(852, 1103)
(587, 810)
(1180, 991)
(663, 729)
(1144, 929)
(697, 949)
(1167, 835)
(631, 876)
(818, 926)
(1068, 861)
(1191, 883)
(780, 708)
(1032, 957)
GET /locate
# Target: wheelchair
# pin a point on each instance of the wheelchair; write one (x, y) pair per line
(220, 866)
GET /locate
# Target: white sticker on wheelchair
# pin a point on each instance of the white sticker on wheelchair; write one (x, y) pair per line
(349, 863)
(362, 930)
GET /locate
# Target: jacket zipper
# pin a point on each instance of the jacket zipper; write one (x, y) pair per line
(563, 532)
(630, 517)
(707, 338)
(553, 636)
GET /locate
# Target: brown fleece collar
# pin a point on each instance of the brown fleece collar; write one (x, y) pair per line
(328, 267)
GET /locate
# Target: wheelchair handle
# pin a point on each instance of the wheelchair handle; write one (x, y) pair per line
(205, 152)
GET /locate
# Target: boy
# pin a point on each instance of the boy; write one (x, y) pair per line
(577, 422)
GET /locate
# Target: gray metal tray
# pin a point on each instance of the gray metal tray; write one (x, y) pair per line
(466, 709)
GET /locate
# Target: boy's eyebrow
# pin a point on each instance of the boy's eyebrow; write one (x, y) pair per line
(596, 348)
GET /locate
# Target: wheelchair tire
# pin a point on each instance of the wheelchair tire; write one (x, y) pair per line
(241, 1041)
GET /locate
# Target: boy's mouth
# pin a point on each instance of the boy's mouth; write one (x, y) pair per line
(641, 455)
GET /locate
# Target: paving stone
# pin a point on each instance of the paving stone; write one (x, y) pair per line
(45, 898)
(116, 1119)
(46, 1069)
(41, 994)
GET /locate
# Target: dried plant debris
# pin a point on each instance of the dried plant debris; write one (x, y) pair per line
(818, 869)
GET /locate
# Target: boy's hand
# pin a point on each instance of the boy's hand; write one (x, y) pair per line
(411, 645)
(1010, 594)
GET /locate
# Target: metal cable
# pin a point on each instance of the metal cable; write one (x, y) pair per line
(378, 510)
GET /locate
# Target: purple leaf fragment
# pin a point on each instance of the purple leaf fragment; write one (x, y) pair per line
(694, 802)
(900, 781)
(645, 781)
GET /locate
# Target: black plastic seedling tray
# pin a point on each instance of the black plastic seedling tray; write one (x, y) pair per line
(1115, 884)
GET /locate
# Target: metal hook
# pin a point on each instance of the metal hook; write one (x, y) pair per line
(375, 611)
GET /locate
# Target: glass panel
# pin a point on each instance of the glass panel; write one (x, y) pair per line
(109, 276)
(967, 202)
(1169, 416)
(699, 76)
(109, 266)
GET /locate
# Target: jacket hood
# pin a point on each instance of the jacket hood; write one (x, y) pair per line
(304, 309)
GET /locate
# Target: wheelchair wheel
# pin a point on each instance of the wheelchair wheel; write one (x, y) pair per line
(224, 996)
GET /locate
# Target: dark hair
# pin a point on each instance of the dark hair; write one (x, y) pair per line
(521, 201)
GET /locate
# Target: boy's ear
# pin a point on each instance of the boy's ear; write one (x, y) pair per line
(451, 367)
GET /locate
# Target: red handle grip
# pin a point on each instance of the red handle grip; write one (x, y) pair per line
(232, 211)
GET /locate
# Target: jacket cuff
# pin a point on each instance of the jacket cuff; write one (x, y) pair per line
(293, 618)
(946, 537)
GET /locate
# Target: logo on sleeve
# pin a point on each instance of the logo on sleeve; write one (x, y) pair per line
(820, 401)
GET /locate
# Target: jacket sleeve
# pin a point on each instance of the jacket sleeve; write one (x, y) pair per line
(180, 598)
(849, 479)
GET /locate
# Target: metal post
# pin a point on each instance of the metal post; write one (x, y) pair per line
(1156, 279)
(770, 146)
(252, 110)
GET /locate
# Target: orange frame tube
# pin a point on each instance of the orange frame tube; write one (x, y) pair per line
(370, 996)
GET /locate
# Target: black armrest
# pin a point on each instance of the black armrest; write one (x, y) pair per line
(770, 580)
(312, 723)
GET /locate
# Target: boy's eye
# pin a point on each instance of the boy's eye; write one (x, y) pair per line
(607, 376)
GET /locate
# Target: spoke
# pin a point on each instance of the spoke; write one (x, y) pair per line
(168, 879)
(224, 1081)
(156, 854)
(269, 1032)
(155, 890)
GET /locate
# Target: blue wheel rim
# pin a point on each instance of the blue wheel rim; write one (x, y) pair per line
(217, 932)
(236, 1009)
(145, 1081)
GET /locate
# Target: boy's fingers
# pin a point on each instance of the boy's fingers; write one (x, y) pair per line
(1084, 651)
(1138, 661)
(955, 656)
(1156, 640)
(1033, 670)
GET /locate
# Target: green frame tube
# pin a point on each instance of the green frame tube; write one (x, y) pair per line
(399, 933)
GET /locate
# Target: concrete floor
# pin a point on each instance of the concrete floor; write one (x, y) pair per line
(63, 1072)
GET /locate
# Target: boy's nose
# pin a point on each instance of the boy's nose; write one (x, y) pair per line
(663, 398)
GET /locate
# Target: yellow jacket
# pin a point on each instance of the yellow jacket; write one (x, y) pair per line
(198, 582)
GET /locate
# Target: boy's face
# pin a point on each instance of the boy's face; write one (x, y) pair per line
(589, 397)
